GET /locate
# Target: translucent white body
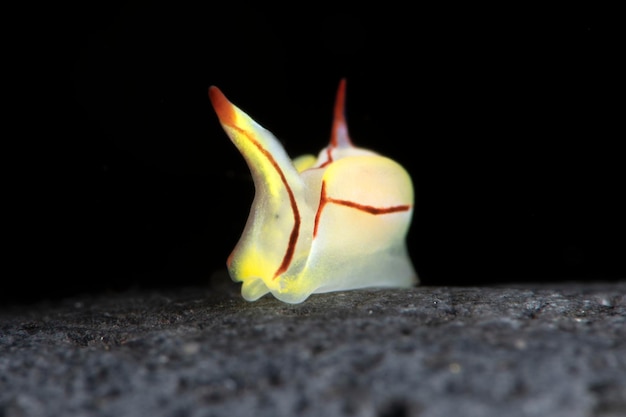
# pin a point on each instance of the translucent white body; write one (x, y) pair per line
(333, 222)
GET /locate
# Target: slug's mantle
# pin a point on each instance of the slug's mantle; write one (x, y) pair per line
(333, 222)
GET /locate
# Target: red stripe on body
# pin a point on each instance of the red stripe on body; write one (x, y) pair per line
(324, 199)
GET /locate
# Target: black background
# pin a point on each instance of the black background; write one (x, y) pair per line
(507, 119)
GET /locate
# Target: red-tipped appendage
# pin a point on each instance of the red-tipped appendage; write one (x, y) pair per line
(339, 136)
(224, 108)
(226, 112)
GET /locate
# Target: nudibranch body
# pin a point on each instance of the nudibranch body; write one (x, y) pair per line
(333, 222)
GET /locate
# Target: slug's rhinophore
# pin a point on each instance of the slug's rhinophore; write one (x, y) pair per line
(331, 223)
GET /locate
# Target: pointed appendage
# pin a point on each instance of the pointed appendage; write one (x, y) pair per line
(339, 137)
(271, 236)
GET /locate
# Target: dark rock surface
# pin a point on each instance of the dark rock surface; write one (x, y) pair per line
(527, 350)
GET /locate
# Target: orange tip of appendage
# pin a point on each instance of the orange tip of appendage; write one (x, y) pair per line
(224, 108)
